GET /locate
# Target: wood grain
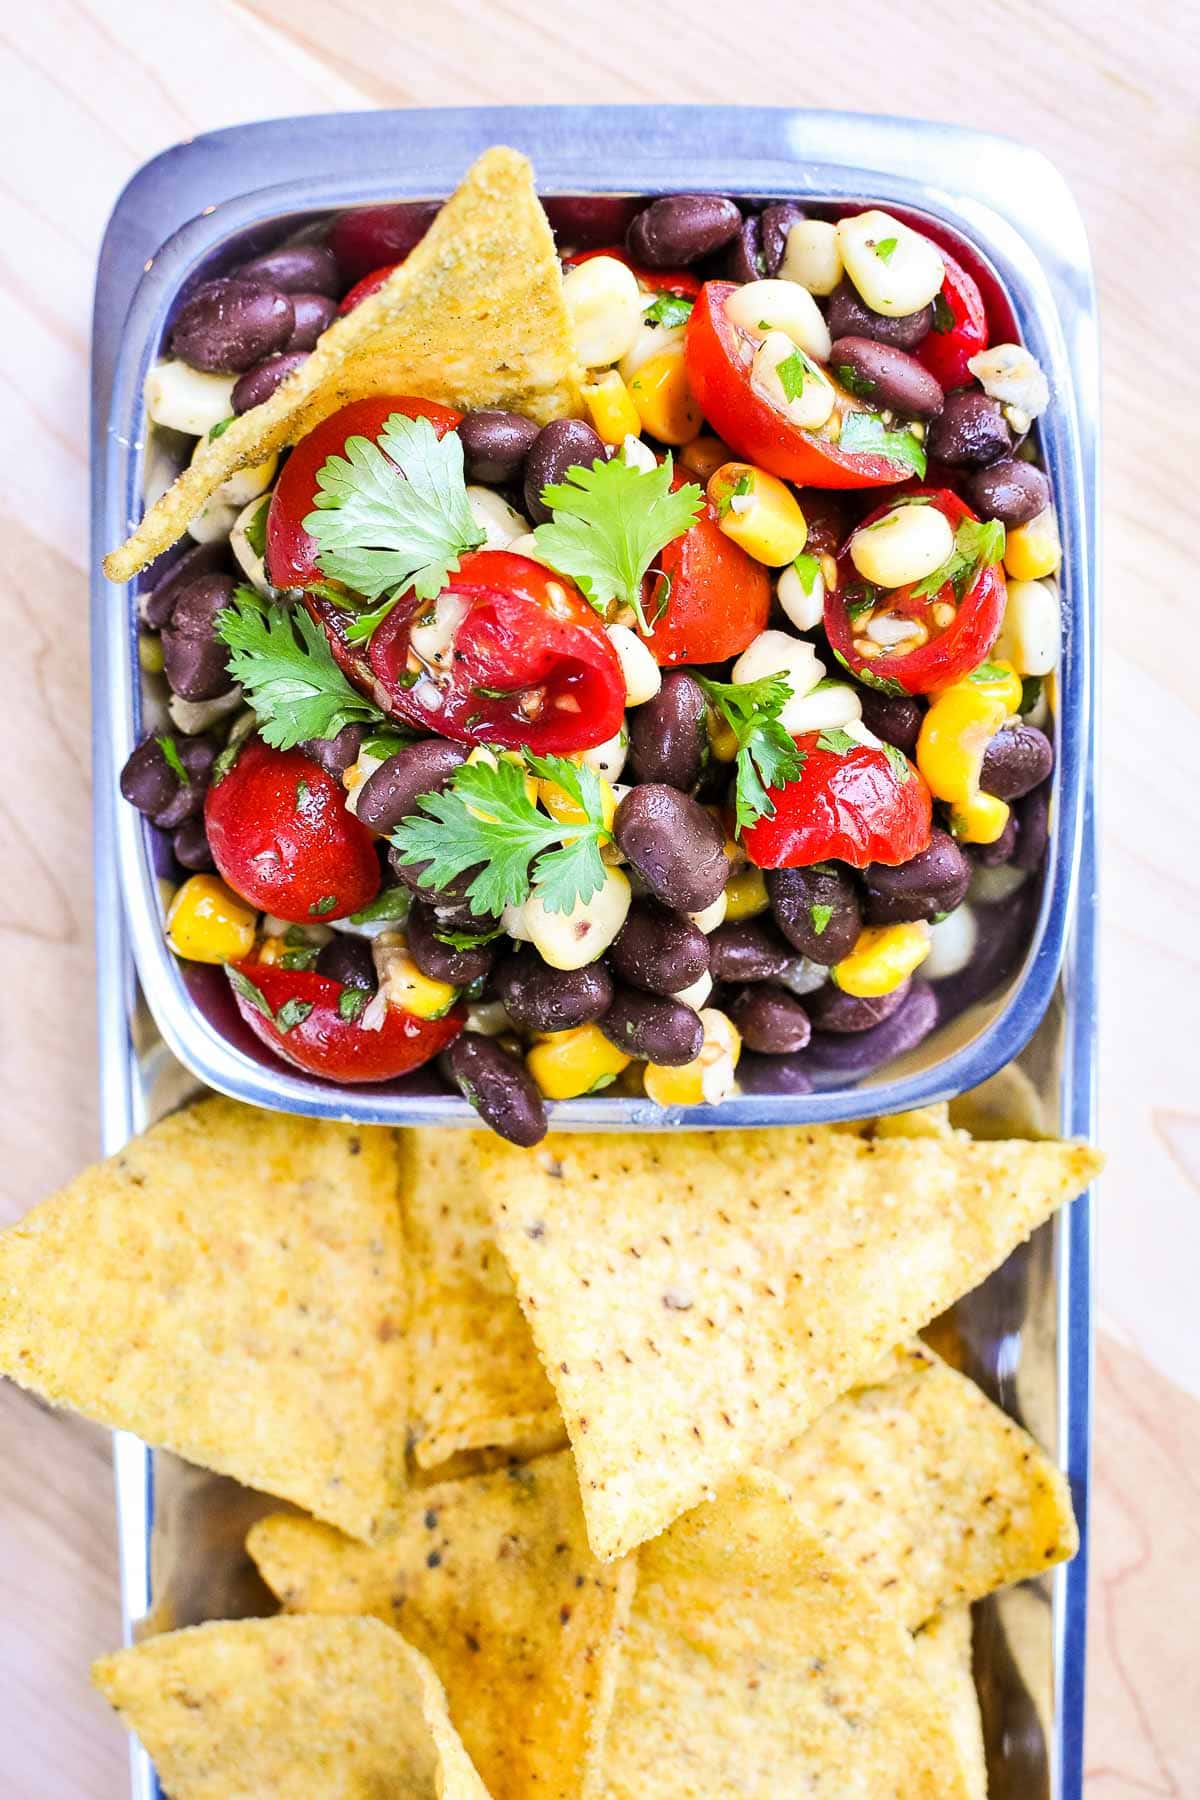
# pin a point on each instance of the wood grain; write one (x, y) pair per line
(91, 90)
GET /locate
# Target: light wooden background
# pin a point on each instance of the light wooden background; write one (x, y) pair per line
(94, 87)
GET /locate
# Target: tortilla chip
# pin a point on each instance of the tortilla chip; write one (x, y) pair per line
(493, 1579)
(474, 317)
(232, 1287)
(477, 1378)
(944, 1658)
(757, 1663)
(929, 1490)
(261, 1708)
(699, 1298)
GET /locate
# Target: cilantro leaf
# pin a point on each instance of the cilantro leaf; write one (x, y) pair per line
(820, 916)
(256, 527)
(668, 310)
(246, 990)
(219, 429)
(808, 569)
(882, 684)
(901, 768)
(837, 741)
(610, 522)
(854, 381)
(467, 940)
(394, 514)
(977, 544)
(351, 1002)
(390, 903)
(865, 434)
(174, 761)
(943, 314)
(767, 756)
(283, 661)
(293, 1012)
(793, 372)
(885, 249)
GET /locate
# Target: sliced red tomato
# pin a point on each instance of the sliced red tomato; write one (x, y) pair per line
(656, 281)
(291, 553)
(316, 1024)
(509, 653)
(756, 429)
(373, 235)
(282, 838)
(370, 284)
(856, 805)
(718, 598)
(949, 650)
(960, 327)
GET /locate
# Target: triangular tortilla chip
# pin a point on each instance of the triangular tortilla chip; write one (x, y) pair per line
(944, 1658)
(699, 1298)
(259, 1709)
(230, 1286)
(493, 1579)
(757, 1663)
(929, 1490)
(474, 317)
(477, 1378)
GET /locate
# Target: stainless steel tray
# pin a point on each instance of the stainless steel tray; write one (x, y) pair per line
(1025, 1335)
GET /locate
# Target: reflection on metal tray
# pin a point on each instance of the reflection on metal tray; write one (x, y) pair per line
(1025, 1335)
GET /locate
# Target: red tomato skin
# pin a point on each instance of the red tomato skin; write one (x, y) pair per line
(945, 658)
(370, 236)
(526, 626)
(291, 552)
(750, 425)
(326, 1044)
(720, 597)
(945, 353)
(362, 290)
(282, 838)
(659, 281)
(849, 809)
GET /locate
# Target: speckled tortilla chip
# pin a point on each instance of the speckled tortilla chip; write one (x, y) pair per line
(477, 1378)
(474, 317)
(699, 1298)
(757, 1663)
(944, 1658)
(493, 1579)
(259, 1709)
(230, 1286)
(929, 1490)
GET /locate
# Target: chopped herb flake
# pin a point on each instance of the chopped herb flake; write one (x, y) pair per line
(292, 1013)
(351, 1002)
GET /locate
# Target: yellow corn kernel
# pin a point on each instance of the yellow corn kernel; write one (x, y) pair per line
(406, 986)
(612, 411)
(758, 512)
(566, 1064)
(665, 403)
(1000, 681)
(708, 1079)
(703, 456)
(269, 951)
(209, 923)
(560, 805)
(955, 734)
(1032, 551)
(883, 957)
(746, 895)
(722, 738)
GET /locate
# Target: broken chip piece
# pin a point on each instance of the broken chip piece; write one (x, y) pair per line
(943, 1649)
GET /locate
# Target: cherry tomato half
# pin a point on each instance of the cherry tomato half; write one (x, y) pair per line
(719, 598)
(751, 425)
(962, 331)
(370, 236)
(291, 552)
(858, 806)
(370, 284)
(308, 1027)
(950, 650)
(282, 838)
(509, 653)
(656, 281)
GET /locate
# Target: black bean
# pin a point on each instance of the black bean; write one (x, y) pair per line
(681, 228)
(659, 950)
(314, 313)
(336, 754)
(743, 261)
(451, 903)
(676, 847)
(667, 740)
(260, 382)
(836, 1060)
(771, 1021)
(777, 222)
(896, 718)
(747, 950)
(194, 657)
(348, 960)
(201, 559)
(539, 998)
(934, 881)
(228, 326)
(1011, 490)
(885, 377)
(499, 1087)
(830, 1009)
(653, 1027)
(850, 316)
(817, 909)
(197, 754)
(392, 792)
(559, 446)
(1016, 760)
(495, 445)
(442, 962)
(969, 431)
(1000, 850)
(190, 845)
(148, 781)
(773, 1074)
(1033, 828)
(295, 269)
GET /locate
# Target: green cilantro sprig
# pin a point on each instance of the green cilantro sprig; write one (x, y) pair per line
(865, 434)
(978, 543)
(668, 310)
(283, 661)
(767, 756)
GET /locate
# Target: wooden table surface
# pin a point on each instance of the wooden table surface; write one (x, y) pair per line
(94, 87)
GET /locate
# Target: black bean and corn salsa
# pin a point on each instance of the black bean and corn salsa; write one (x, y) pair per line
(684, 727)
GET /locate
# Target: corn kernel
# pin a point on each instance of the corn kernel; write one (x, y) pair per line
(665, 403)
(209, 923)
(703, 456)
(746, 895)
(560, 805)
(722, 738)
(708, 1079)
(1032, 551)
(883, 957)
(612, 411)
(758, 512)
(566, 1064)
(954, 736)
(406, 986)
(999, 680)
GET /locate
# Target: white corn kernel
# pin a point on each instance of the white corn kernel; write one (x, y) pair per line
(187, 399)
(951, 944)
(905, 545)
(503, 524)
(640, 672)
(862, 734)
(830, 706)
(895, 269)
(571, 940)
(513, 921)
(711, 916)
(489, 1019)
(649, 341)
(813, 256)
(608, 758)
(191, 716)
(1012, 374)
(778, 653)
(802, 597)
(249, 561)
(988, 886)
(763, 306)
(802, 977)
(808, 397)
(605, 307)
(697, 994)
(525, 545)
(214, 522)
(638, 455)
(357, 775)
(1031, 635)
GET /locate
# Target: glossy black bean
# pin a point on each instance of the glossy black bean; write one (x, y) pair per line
(295, 269)
(1011, 490)
(885, 377)
(934, 881)
(818, 910)
(314, 313)
(771, 1021)
(563, 444)
(1016, 760)
(393, 791)
(773, 1074)
(896, 718)
(228, 326)
(653, 1027)
(197, 754)
(777, 222)
(190, 846)
(1033, 828)
(201, 559)
(743, 260)
(260, 382)
(194, 657)
(148, 781)
(747, 950)
(659, 950)
(676, 847)
(681, 228)
(1000, 851)
(348, 960)
(667, 740)
(832, 1010)
(499, 1087)
(539, 998)
(336, 754)
(495, 445)
(450, 902)
(850, 316)
(969, 431)
(440, 961)
(834, 1060)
